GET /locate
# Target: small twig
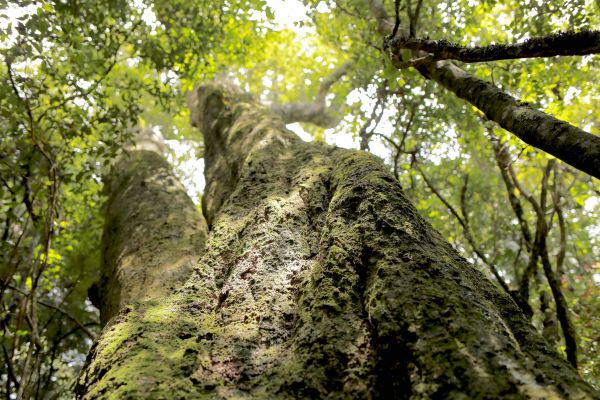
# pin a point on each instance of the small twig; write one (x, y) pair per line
(86, 330)
(396, 23)
(414, 62)
(467, 232)
(556, 195)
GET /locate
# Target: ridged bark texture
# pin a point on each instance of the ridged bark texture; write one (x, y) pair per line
(319, 280)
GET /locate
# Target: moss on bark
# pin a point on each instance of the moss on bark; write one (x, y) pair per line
(319, 280)
(153, 233)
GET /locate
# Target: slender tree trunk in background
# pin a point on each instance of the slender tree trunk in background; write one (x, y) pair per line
(153, 233)
(153, 237)
(319, 280)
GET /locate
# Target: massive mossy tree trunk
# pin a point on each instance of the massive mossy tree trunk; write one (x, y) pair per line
(318, 280)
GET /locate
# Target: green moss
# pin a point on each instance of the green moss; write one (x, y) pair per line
(153, 233)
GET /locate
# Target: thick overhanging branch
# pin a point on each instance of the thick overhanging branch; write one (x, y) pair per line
(316, 112)
(560, 44)
(564, 141)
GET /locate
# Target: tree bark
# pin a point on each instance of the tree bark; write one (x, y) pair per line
(153, 233)
(319, 280)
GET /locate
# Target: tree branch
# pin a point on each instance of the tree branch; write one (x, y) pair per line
(84, 328)
(564, 141)
(374, 119)
(556, 195)
(317, 111)
(501, 156)
(332, 78)
(540, 249)
(414, 19)
(11, 377)
(384, 23)
(559, 44)
(562, 310)
(462, 220)
(413, 62)
(397, 20)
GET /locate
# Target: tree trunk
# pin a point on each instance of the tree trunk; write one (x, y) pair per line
(153, 233)
(319, 280)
